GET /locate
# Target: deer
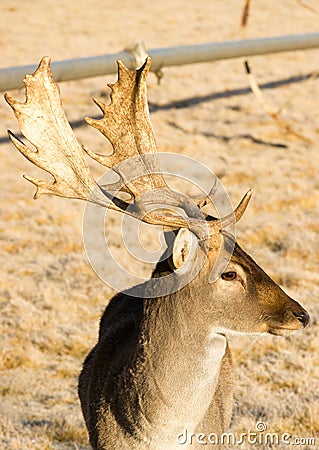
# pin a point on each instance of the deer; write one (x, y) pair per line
(162, 365)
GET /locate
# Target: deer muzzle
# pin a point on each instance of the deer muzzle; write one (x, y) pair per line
(293, 318)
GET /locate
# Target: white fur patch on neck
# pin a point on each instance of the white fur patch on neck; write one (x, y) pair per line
(217, 343)
(221, 331)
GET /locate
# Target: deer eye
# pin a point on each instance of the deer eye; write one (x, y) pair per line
(229, 276)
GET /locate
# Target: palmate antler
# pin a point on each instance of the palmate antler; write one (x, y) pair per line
(127, 125)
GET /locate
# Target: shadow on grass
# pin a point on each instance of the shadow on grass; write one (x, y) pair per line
(192, 101)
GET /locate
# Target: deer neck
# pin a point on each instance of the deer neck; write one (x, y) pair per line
(180, 363)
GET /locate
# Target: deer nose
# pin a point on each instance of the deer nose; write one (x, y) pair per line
(303, 317)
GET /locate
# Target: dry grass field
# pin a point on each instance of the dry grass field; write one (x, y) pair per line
(51, 299)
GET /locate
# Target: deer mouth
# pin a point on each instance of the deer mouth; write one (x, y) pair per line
(283, 331)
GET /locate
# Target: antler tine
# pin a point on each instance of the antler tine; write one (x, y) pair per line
(235, 216)
(241, 207)
(208, 198)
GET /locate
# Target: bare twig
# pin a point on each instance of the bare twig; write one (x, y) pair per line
(310, 8)
(270, 110)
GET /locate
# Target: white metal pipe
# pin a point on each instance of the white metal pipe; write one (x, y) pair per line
(74, 69)
(232, 49)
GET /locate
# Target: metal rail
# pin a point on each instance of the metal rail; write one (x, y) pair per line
(74, 69)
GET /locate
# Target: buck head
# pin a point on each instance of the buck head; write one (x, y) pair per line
(241, 298)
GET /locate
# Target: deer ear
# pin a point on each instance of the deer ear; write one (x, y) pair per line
(184, 249)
